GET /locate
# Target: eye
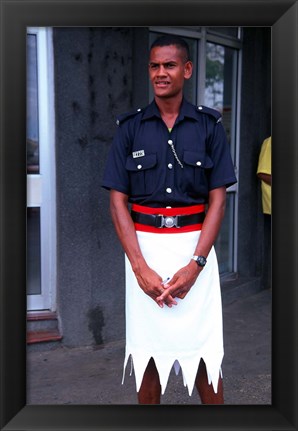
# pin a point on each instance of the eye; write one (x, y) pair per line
(169, 65)
(153, 66)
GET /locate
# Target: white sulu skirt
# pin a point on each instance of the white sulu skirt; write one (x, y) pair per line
(182, 335)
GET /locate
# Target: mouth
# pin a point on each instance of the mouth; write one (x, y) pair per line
(162, 84)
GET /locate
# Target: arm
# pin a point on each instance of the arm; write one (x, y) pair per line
(184, 279)
(265, 177)
(149, 280)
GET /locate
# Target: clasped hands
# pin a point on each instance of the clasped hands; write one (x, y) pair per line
(177, 287)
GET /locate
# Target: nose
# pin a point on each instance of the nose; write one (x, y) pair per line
(161, 71)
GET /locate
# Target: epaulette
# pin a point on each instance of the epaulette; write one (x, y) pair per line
(213, 112)
(124, 117)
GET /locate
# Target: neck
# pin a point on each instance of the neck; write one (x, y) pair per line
(169, 106)
(169, 109)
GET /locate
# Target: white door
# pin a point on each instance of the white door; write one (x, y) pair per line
(41, 226)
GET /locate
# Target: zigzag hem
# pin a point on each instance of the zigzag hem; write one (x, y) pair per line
(164, 366)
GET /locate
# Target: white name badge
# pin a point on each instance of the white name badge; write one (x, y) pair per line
(140, 153)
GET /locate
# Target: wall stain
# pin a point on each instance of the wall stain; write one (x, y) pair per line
(78, 56)
(94, 116)
(92, 97)
(83, 141)
(96, 323)
(112, 104)
(103, 138)
(90, 56)
(91, 80)
(76, 107)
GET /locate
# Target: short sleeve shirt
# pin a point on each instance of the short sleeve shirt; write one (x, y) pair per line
(142, 163)
(264, 167)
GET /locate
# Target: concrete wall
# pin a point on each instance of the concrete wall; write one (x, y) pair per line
(93, 83)
(254, 128)
(99, 73)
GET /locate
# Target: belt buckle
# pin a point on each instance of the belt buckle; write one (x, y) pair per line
(169, 221)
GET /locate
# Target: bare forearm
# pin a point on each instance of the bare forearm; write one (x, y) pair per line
(265, 177)
(183, 280)
(149, 281)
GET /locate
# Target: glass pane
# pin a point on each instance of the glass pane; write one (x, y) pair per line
(220, 88)
(33, 252)
(220, 93)
(227, 31)
(190, 87)
(32, 106)
(224, 243)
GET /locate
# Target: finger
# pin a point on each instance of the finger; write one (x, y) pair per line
(173, 290)
(160, 304)
(175, 293)
(158, 291)
(166, 298)
(169, 302)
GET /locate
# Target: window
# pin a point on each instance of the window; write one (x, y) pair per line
(33, 212)
(220, 93)
(32, 106)
(216, 56)
(40, 171)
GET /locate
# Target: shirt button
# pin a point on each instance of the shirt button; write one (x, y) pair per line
(139, 166)
(170, 166)
(170, 142)
(199, 163)
(169, 190)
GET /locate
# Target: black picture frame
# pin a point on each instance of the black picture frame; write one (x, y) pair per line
(16, 16)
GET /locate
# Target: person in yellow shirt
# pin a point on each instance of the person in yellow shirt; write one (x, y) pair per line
(264, 173)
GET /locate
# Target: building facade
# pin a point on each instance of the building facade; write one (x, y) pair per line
(78, 81)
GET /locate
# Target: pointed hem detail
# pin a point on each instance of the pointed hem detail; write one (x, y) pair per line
(188, 367)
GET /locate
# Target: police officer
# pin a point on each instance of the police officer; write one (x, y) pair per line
(170, 161)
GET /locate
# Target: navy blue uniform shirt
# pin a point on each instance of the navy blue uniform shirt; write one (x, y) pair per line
(142, 164)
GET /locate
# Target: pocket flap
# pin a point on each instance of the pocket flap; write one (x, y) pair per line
(201, 160)
(140, 163)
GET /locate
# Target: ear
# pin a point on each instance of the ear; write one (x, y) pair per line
(188, 69)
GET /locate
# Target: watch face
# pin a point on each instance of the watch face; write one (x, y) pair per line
(201, 261)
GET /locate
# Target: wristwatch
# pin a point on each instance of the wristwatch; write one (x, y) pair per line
(201, 260)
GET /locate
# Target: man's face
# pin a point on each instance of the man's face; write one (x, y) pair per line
(167, 70)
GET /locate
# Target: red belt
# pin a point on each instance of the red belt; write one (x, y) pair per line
(168, 220)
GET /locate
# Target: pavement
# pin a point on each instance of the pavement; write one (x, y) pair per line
(93, 376)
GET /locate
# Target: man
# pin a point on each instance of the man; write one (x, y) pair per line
(169, 161)
(264, 174)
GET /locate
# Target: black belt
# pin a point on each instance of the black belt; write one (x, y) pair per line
(161, 221)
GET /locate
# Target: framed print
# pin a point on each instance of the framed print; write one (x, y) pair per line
(17, 16)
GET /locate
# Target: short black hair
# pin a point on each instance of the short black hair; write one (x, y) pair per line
(171, 39)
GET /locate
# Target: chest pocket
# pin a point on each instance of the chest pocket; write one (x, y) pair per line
(142, 174)
(197, 167)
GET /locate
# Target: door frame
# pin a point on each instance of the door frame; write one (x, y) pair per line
(41, 188)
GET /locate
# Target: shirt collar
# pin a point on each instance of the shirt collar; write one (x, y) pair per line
(151, 111)
(186, 110)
